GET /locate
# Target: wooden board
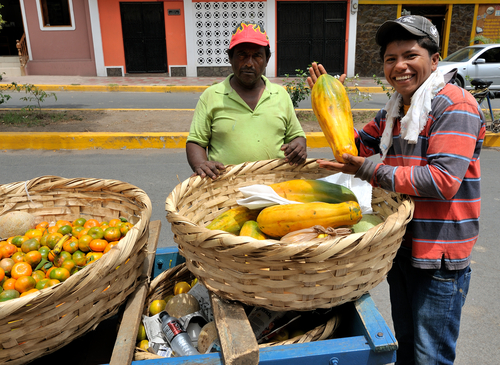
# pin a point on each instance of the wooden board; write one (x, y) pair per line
(123, 351)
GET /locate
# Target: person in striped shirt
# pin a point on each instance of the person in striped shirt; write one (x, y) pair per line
(429, 136)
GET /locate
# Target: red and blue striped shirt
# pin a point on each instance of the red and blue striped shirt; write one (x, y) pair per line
(442, 174)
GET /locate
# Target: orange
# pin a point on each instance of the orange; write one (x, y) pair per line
(96, 233)
(52, 229)
(31, 291)
(60, 258)
(108, 247)
(83, 232)
(84, 243)
(79, 258)
(2, 274)
(18, 256)
(18, 240)
(43, 240)
(125, 227)
(157, 306)
(76, 230)
(53, 282)
(113, 222)
(71, 245)
(104, 227)
(30, 245)
(68, 264)
(181, 287)
(91, 223)
(62, 222)
(8, 284)
(7, 250)
(33, 258)
(112, 234)
(65, 229)
(98, 245)
(44, 250)
(79, 222)
(38, 275)
(8, 295)
(104, 223)
(93, 256)
(20, 269)
(47, 274)
(42, 225)
(25, 283)
(52, 239)
(32, 233)
(42, 284)
(59, 273)
(6, 264)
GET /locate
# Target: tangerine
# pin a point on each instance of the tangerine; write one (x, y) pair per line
(93, 256)
(96, 233)
(112, 234)
(79, 258)
(18, 256)
(47, 273)
(6, 264)
(52, 229)
(18, 240)
(53, 282)
(65, 229)
(32, 233)
(20, 269)
(76, 230)
(62, 222)
(52, 239)
(68, 264)
(33, 258)
(2, 274)
(125, 227)
(79, 222)
(30, 245)
(59, 273)
(59, 259)
(25, 283)
(7, 250)
(84, 243)
(38, 275)
(98, 245)
(44, 250)
(42, 284)
(113, 222)
(8, 284)
(109, 246)
(9, 294)
(83, 232)
(91, 223)
(42, 225)
(71, 245)
(31, 291)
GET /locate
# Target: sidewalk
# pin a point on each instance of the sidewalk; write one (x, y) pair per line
(146, 83)
(138, 83)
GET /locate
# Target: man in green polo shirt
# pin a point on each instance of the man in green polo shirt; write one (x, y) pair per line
(245, 117)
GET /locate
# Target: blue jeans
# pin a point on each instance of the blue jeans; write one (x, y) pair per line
(426, 307)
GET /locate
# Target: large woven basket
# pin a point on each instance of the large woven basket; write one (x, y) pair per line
(38, 324)
(269, 273)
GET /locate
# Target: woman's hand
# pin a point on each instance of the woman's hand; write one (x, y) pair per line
(351, 165)
(316, 70)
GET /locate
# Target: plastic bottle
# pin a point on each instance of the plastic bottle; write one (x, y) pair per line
(176, 336)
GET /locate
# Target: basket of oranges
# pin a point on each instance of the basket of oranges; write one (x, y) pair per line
(75, 264)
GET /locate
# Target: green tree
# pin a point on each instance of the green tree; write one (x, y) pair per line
(2, 22)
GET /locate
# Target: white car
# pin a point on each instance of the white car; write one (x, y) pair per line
(480, 61)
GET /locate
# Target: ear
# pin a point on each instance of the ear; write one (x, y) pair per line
(434, 61)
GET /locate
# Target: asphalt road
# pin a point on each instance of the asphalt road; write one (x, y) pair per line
(157, 172)
(126, 100)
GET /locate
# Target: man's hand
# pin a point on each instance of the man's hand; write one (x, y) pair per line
(316, 71)
(295, 151)
(352, 165)
(211, 169)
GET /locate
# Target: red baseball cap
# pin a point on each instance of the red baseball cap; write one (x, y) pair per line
(249, 33)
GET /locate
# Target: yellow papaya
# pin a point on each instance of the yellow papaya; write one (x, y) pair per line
(233, 219)
(251, 229)
(309, 191)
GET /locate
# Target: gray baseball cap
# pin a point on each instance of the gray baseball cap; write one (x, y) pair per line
(414, 24)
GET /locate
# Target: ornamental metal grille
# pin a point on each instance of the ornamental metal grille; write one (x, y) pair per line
(214, 23)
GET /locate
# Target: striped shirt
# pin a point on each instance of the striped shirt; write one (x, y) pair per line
(442, 174)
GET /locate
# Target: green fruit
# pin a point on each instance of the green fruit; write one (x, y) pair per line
(367, 222)
(8, 295)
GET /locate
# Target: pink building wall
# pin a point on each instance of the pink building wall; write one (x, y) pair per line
(65, 52)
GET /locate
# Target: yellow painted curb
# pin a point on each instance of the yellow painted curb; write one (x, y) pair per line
(144, 88)
(130, 141)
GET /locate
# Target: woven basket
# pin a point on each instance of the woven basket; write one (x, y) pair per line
(269, 273)
(163, 285)
(41, 323)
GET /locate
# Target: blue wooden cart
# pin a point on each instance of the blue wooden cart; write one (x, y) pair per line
(366, 338)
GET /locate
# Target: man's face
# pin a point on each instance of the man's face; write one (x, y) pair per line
(249, 63)
(407, 66)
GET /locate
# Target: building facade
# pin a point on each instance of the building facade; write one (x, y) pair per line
(190, 38)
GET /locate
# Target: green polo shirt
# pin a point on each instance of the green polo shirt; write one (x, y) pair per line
(234, 133)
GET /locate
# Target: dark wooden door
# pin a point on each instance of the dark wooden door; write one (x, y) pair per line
(311, 31)
(144, 40)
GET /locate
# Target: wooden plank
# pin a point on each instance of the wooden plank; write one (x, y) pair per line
(238, 343)
(123, 352)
